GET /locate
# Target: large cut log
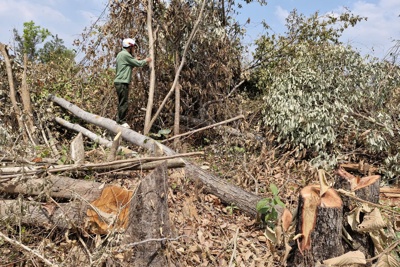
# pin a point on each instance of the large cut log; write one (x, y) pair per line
(227, 192)
(55, 186)
(62, 216)
(149, 220)
(320, 225)
(106, 212)
(93, 208)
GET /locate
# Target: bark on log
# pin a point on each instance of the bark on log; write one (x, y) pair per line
(114, 148)
(64, 216)
(149, 220)
(54, 186)
(228, 193)
(320, 223)
(95, 210)
(76, 127)
(127, 164)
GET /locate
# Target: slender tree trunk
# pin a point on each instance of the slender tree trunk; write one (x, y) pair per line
(177, 103)
(17, 110)
(176, 80)
(26, 101)
(147, 124)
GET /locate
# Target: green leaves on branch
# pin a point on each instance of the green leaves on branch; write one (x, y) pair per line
(267, 208)
(32, 36)
(323, 97)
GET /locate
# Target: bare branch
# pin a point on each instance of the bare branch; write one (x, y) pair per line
(31, 251)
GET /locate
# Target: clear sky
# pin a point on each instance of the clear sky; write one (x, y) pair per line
(68, 18)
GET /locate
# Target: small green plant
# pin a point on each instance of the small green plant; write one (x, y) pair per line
(231, 209)
(267, 208)
(162, 134)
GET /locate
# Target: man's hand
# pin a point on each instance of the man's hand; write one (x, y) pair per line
(148, 60)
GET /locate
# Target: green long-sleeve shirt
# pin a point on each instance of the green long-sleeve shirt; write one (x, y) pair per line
(125, 63)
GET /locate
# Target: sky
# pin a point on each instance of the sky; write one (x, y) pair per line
(68, 18)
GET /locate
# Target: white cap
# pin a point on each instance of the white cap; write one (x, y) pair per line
(128, 42)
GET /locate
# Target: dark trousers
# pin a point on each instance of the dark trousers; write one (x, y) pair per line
(123, 94)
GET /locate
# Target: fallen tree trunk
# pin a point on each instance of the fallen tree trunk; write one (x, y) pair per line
(127, 164)
(76, 127)
(97, 210)
(228, 193)
(62, 216)
(54, 186)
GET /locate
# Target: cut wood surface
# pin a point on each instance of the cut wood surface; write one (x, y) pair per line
(320, 224)
(95, 209)
(227, 192)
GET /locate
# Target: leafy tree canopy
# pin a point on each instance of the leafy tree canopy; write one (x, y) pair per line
(55, 50)
(34, 35)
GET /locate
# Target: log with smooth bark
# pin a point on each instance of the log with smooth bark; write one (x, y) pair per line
(227, 192)
(78, 128)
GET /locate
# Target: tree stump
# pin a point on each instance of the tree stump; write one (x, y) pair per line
(320, 224)
(366, 188)
(149, 220)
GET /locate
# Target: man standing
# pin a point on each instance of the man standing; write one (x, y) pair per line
(125, 62)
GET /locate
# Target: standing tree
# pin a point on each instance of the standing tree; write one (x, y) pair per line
(55, 50)
(32, 36)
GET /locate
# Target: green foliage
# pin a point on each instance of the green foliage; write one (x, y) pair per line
(55, 51)
(267, 208)
(161, 134)
(231, 209)
(32, 36)
(323, 97)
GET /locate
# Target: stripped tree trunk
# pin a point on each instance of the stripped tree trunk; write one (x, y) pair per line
(150, 100)
(26, 101)
(17, 110)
